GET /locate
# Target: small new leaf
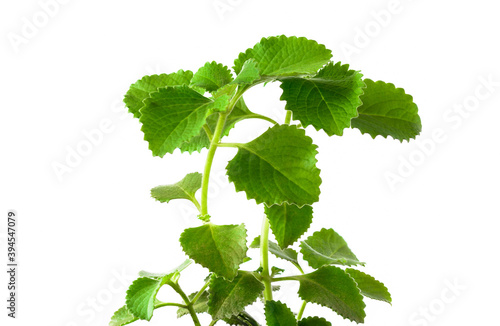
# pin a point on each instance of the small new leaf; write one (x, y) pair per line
(278, 166)
(287, 254)
(289, 222)
(229, 298)
(314, 321)
(140, 91)
(326, 247)
(249, 73)
(212, 76)
(387, 111)
(369, 286)
(327, 101)
(184, 189)
(333, 288)
(220, 248)
(278, 314)
(122, 316)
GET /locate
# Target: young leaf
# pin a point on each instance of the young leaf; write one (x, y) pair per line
(200, 306)
(212, 76)
(248, 74)
(172, 116)
(314, 321)
(387, 111)
(122, 316)
(289, 222)
(230, 298)
(327, 101)
(184, 189)
(285, 56)
(369, 286)
(326, 247)
(140, 91)
(220, 248)
(242, 319)
(287, 254)
(278, 166)
(278, 314)
(333, 288)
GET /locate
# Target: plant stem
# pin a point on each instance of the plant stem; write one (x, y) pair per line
(170, 304)
(228, 144)
(200, 293)
(288, 117)
(264, 259)
(286, 278)
(262, 117)
(213, 322)
(301, 312)
(208, 163)
(189, 304)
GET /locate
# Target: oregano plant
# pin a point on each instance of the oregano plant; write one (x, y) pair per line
(193, 111)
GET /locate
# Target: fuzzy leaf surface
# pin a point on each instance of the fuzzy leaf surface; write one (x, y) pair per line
(369, 286)
(387, 111)
(289, 222)
(184, 189)
(333, 288)
(249, 73)
(278, 314)
(212, 76)
(122, 316)
(220, 248)
(229, 298)
(328, 101)
(314, 321)
(172, 116)
(278, 166)
(326, 247)
(285, 56)
(140, 90)
(287, 254)
(242, 319)
(200, 306)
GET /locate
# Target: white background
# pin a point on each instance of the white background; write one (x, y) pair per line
(83, 236)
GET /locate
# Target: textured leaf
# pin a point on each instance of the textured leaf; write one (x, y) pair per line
(278, 166)
(122, 317)
(172, 116)
(287, 254)
(278, 314)
(326, 247)
(285, 56)
(333, 288)
(242, 319)
(275, 271)
(314, 321)
(200, 141)
(184, 189)
(212, 76)
(327, 101)
(141, 295)
(230, 298)
(369, 286)
(289, 222)
(200, 306)
(248, 74)
(220, 248)
(387, 111)
(140, 91)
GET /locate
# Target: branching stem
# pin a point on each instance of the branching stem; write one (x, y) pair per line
(264, 259)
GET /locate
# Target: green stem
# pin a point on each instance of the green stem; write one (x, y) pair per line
(286, 278)
(170, 304)
(262, 117)
(208, 164)
(200, 293)
(213, 322)
(228, 144)
(264, 259)
(288, 117)
(189, 304)
(301, 312)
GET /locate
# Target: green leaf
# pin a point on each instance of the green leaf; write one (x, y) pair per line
(314, 321)
(275, 271)
(278, 314)
(200, 306)
(172, 116)
(220, 248)
(369, 286)
(230, 298)
(184, 189)
(289, 222)
(248, 74)
(200, 141)
(140, 91)
(141, 295)
(387, 111)
(326, 247)
(122, 316)
(285, 56)
(278, 166)
(242, 319)
(327, 101)
(287, 254)
(333, 288)
(212, 76)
